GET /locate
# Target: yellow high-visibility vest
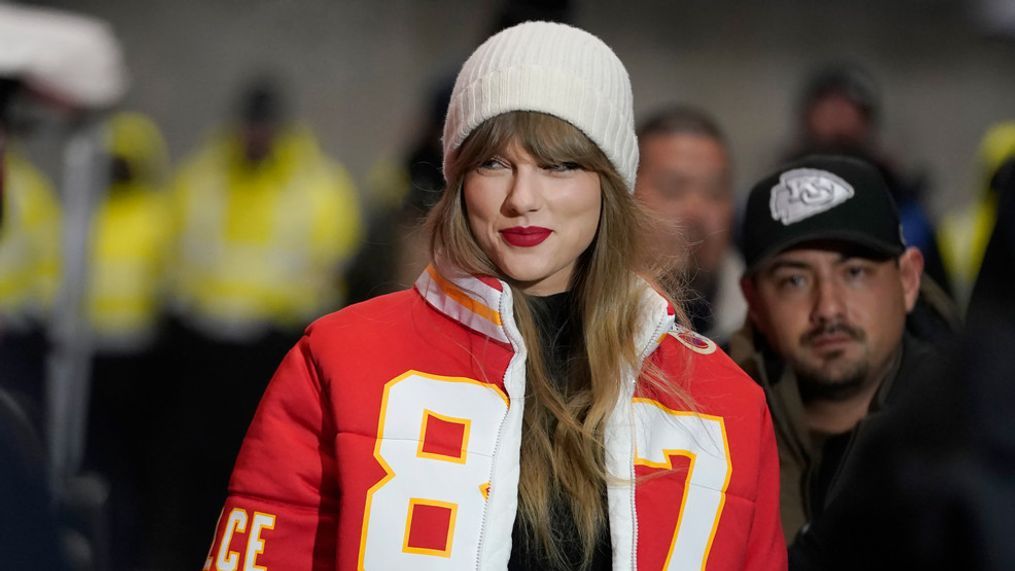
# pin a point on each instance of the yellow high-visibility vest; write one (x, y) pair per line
(29, 245)
(963, 235)
(262, 246)
(130, 240)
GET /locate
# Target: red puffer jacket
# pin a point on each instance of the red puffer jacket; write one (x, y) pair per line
(389, 439)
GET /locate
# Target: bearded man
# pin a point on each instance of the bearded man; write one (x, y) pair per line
(829, 285)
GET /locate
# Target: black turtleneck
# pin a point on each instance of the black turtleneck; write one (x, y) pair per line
(558, 336)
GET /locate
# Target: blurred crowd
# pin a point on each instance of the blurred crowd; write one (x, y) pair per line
(134, 347)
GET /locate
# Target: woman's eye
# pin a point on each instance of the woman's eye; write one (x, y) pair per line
(563, 167)
(492, 163)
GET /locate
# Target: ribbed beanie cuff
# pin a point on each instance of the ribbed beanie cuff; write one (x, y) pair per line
(549, 68)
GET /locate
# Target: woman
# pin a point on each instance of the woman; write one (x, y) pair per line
(531, 403)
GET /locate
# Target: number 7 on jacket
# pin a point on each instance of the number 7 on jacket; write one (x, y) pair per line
(662, 433)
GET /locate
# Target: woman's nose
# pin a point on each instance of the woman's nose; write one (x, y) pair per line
(525, 192)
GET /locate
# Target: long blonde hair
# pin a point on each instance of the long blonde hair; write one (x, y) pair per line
(563, 429)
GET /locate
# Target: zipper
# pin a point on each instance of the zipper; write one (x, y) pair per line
(496, 449)
(511, 368)
(659, 331)
(634, 517)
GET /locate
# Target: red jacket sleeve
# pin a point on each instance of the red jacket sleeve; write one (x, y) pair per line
(766, 547)
(282, 506)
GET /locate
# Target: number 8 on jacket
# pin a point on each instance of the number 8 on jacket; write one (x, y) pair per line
(435, 440)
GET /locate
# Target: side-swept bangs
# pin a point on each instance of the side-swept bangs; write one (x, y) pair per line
(548, 139)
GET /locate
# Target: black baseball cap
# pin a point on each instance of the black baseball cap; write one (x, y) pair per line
(821, 197)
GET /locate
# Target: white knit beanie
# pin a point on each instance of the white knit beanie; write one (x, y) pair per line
(550, 68)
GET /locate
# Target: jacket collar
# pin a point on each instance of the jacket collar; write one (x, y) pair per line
(480, 303)
(484, 304)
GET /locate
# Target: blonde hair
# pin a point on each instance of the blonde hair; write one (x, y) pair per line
(563, 429)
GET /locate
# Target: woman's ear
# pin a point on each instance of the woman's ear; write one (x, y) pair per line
(910, 272)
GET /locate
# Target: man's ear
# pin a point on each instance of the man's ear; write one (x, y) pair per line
(910, 272)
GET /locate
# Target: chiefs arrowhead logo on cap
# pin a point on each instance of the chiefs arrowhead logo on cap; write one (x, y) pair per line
(802, 193)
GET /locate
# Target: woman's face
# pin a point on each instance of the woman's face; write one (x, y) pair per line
(533, 220)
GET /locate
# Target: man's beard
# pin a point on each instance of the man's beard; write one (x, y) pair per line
(832, 380)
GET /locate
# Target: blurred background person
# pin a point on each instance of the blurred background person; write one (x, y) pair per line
(840, 112)
(402, 193)
(426, 183)
(993, 298)
(29, 274)
(125, 306)
(29, 261)
(130, 240)
(264, 224)
(964, 234)
(53, 513)
(28, 225)
(831, 286)
(685, 181)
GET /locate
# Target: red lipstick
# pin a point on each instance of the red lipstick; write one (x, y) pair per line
(525, 236)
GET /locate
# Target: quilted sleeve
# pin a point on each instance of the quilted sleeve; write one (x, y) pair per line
(766, 547)
(282, 507)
